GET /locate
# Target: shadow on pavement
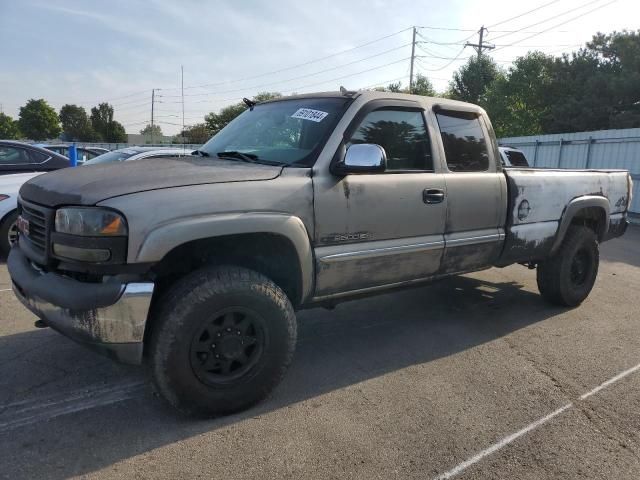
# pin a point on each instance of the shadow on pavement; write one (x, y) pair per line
(355, 342)
(625, 249)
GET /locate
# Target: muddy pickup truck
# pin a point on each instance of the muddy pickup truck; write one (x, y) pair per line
(197, 265)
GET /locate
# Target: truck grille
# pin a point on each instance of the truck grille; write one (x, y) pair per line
(39, 220)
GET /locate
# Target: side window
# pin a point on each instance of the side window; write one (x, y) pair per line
(37, 157)
(464, 144)
(402, 134)
(13, 156)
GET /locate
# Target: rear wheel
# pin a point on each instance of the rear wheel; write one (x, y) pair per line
(223, 340)
(8, 233)
(567, 277)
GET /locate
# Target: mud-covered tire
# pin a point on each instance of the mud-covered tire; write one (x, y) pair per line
(7, 226)
(198, 318)
(567, 277)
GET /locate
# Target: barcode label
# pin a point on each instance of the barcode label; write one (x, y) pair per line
(309, 114)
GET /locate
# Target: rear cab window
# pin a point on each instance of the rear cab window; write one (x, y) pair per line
(516, 158)
(464, 141)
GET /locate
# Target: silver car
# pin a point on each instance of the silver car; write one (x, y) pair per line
(137, 153)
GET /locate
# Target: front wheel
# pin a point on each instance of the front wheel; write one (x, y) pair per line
(567, 277)
(8, 233)
(223, 340)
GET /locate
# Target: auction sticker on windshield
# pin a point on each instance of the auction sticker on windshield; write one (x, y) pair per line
(309, 114)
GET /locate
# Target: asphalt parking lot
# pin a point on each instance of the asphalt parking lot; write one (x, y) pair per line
(473, 377)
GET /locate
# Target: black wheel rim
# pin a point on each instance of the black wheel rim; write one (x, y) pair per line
(580, 267)
(227, 346)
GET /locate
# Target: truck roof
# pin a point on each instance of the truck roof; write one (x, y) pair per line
(374, 95)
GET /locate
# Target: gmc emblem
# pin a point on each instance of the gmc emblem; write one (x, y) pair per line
(23, 225)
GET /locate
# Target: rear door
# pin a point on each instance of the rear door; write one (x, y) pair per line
(476, 191)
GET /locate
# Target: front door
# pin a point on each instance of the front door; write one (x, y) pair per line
(380, 229)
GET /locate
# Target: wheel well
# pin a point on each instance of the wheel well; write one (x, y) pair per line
(593, 218)
(6, 215)
(269, 254)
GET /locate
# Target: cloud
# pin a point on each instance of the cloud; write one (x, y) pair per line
(117, 24)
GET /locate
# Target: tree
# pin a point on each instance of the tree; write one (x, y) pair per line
(152, 131)
(38, 120)
(517, 102)
(105, 126)
(76, 125)
(421, 86)
(8, 128)
(198, 133)
(471, 82)
(101, 117)
(116, 133)
(217, 121)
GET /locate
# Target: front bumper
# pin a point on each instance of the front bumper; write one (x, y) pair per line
(109, 317)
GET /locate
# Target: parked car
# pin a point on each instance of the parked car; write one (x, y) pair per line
(98, 150)
(137, 153)
(9, 187)
(201, 262)
(84, 153)
(17, 157)
(512, 157)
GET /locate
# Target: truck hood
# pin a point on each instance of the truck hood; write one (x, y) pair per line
(91, 184)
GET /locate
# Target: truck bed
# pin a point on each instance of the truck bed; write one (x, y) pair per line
(537, 199)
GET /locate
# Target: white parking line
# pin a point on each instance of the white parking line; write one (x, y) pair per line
(5, 290)
(532, 426)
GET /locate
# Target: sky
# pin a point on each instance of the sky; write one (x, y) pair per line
(87, 52)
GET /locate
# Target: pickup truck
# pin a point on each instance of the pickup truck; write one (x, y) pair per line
(197, 265)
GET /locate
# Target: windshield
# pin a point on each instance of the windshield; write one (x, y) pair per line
(287, 132)
(115, 156)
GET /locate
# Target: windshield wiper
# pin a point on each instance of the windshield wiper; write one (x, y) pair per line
(202, 153)
(248, 157)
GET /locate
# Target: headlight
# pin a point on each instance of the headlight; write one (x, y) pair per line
(90, 222)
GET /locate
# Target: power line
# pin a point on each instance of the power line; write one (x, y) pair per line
(255, 87)
(525, 13)
(557, 25)
(457, 57)
(323, 82)
(297, 65)
(547, 20)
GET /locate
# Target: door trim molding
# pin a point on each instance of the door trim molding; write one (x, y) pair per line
(339, 253)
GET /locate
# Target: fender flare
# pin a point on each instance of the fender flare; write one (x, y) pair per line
(161, 240)
(573, 208)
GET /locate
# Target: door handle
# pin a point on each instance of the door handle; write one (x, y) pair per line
(432, 195)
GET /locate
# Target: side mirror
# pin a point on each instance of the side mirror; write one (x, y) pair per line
(362, 158)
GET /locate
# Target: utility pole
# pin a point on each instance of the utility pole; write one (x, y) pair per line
(153, 100)
(481, 45)
(182, 89)
(413, 57)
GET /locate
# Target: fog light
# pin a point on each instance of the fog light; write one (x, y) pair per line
(81, 254)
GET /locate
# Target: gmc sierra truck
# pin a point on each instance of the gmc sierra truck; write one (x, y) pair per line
(197, 265)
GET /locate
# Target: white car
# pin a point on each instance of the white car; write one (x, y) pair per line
(137, 153)
(9, 187)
